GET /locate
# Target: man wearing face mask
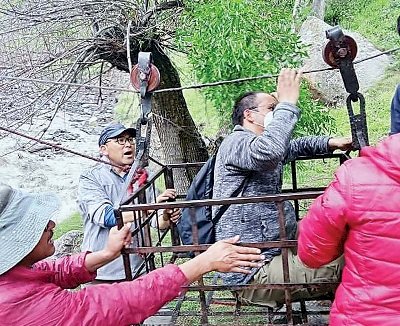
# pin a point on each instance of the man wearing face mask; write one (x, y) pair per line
(251, 158)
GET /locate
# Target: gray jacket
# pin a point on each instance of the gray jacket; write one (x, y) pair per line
(98, 187)
(260, 160)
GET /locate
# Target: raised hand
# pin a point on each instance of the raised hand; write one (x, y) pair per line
(288, 88)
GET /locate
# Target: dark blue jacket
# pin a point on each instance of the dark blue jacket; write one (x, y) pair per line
(395, 112)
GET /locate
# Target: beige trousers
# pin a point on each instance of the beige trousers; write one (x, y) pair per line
(298, 273)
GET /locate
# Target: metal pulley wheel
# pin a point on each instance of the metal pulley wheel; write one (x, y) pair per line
(346, 48)
(153, 78)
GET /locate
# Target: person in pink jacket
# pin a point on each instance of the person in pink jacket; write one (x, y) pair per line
(33, 290)
(359, 216)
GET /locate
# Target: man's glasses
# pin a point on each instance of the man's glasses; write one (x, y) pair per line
(122, 140)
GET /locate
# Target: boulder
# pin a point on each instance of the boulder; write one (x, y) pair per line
(329, 84)
(69, 243)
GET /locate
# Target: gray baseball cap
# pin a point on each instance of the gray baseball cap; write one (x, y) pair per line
(114, 130)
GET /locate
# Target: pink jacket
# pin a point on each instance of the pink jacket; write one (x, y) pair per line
(359, 215)
(38, 297)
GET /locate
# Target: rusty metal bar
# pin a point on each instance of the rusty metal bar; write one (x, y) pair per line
(285, 262)
(169, 184)
(202, 310)
(150, 264)
(203, 304)
(303, 311)
(204, 247)
(320, 156)
(202, 295)
(300, 158)
(125, 256)
(212, 202)
(140, 223)
(176, 312)
(280, 286)
(185, 165)
(246, 313)
(302, 190)
(294, 188)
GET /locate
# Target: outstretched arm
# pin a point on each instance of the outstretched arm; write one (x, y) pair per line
(222, 256)
(72, 271)
(131, 302)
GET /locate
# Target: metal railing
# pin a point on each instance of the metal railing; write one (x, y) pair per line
(160, 246)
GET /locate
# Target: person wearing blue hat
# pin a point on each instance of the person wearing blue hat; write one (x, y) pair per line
(34, 290)
(100, 188)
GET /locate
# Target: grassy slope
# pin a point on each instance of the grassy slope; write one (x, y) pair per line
(376, 21)
(202, 111)
(74, 222)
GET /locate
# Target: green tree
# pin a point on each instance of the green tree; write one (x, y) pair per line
(234, 39)
(83, 40)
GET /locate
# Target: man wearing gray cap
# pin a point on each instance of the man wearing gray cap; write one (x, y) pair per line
(100, 188)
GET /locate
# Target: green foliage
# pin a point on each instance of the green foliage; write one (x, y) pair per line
(74, 222)
(374, 19)
(234, 39)
(338, 11)
(201, 110)
(380, 27)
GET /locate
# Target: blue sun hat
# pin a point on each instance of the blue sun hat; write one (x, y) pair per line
(23, 218)
(113, 131)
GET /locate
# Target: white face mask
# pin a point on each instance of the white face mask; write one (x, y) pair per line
(268, 119)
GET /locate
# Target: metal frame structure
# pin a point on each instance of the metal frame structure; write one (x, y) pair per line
(164, 247)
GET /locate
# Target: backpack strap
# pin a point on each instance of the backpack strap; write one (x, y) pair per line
(223, 208)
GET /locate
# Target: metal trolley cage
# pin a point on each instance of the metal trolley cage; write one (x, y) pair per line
(216, 303)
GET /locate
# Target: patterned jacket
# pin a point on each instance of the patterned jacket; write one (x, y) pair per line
(260, 160)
